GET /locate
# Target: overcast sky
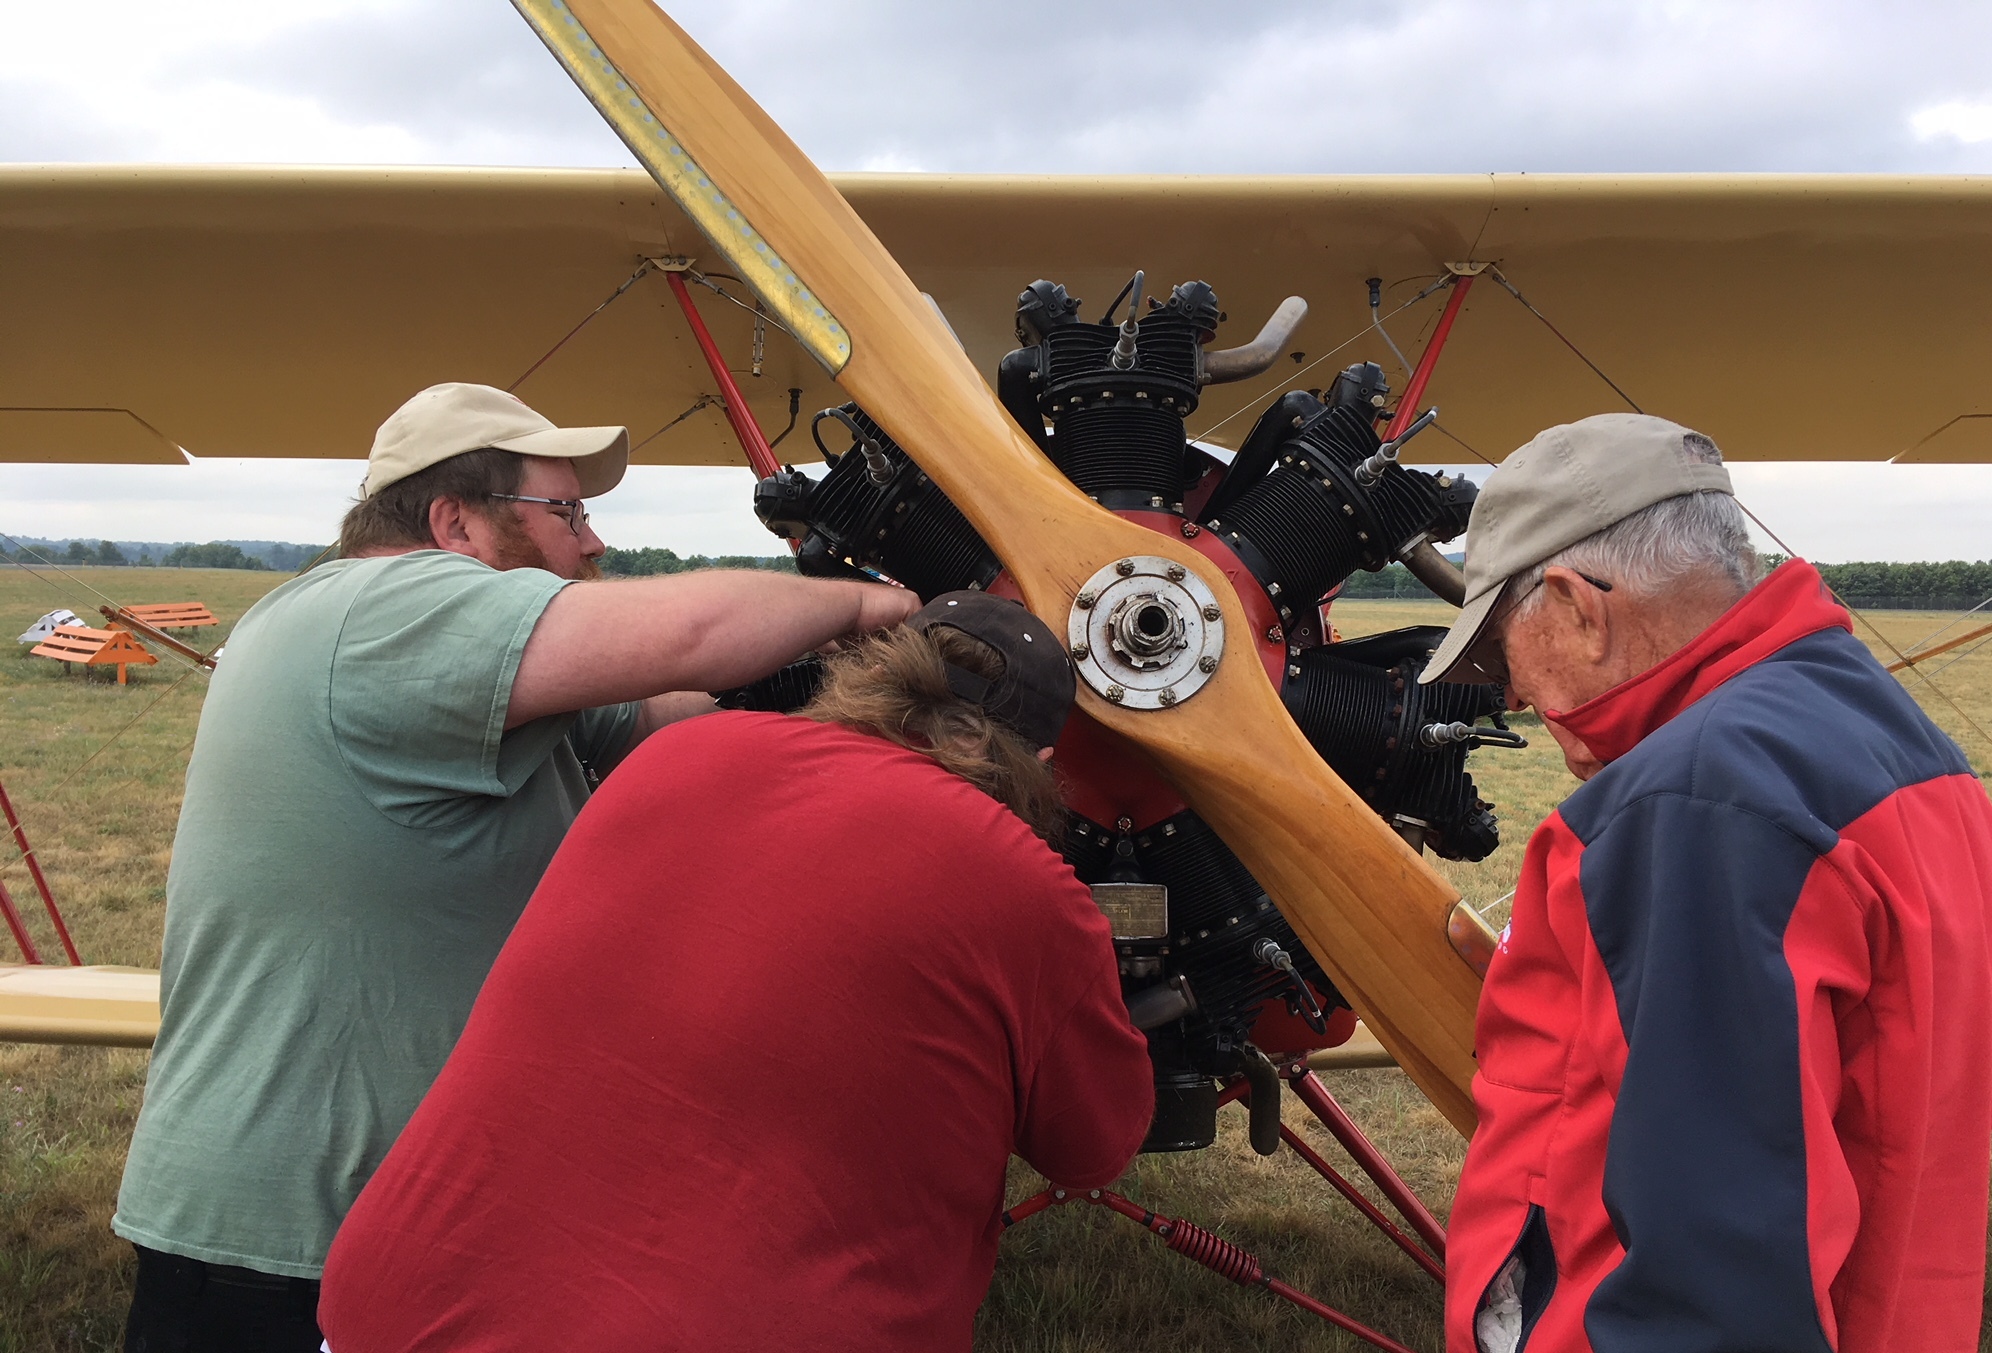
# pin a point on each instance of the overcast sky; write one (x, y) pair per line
(1417, 86)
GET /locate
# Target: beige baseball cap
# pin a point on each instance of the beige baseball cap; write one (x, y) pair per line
(1570, 482)
(450, 419)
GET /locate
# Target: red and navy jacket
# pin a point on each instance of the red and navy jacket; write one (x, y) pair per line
(1735, 1082)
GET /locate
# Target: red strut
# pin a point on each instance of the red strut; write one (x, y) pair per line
(41, 884)
(760, 456)
(13, 919)
(1407, 408)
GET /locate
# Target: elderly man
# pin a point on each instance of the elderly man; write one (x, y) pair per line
(749, 1070)
(1735, 1048)
(387, 760)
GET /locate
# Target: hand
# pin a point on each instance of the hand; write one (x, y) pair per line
(880, 607)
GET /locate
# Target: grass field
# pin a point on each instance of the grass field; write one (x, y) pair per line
(1073, 1280)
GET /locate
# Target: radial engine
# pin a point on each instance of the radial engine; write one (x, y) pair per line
(1210, 969)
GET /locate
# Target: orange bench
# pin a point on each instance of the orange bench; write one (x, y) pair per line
(174, 615)
(94, 648)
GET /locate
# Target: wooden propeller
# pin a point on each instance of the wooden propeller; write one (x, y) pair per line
(1367, 906)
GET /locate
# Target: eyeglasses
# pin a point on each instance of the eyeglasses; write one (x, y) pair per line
(577, 515)
(1494, 666)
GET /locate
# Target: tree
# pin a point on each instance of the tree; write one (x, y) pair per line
(214, 554)
(78, 552)
(109, 553)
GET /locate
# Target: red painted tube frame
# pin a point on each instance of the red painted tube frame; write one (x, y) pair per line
(1336, 1119)
(1414, 393)
(13, 918)
(41, 884)
(1159, 1225)
(760, 456)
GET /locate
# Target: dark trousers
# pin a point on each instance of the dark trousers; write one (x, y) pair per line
(185, 1306)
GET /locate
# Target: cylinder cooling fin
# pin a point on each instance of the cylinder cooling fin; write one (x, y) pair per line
(1211, 969)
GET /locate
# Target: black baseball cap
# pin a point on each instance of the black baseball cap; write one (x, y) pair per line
(1035, 691)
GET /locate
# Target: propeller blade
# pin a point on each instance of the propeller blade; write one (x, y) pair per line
(1368, 907)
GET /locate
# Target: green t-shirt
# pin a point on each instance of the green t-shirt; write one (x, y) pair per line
(358, 836)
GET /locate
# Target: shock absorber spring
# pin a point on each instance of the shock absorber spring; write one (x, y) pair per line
(1215, 1253)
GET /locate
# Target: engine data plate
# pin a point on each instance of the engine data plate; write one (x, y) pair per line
(1145, 632)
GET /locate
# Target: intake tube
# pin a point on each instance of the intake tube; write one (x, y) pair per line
(1235, 364)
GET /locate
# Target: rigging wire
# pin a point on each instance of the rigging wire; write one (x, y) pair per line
(701, 402)
(613, 296)
(1501, 278)
(1871, 627)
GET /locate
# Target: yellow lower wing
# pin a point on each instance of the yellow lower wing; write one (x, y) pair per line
(112, 1006)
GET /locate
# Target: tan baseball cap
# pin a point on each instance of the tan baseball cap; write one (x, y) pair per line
(448, 420)
(1570, 482)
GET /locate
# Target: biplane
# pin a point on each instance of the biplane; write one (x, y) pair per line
(1167, 499)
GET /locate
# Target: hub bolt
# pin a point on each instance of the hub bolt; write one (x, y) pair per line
(1084, 601)
(1125, 568)
(1213, 612)
(1206, 664)
(1115, 694)
(1176, 572)
(1081, 650)
(1168, 696)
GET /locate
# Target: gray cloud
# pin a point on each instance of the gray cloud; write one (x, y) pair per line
(1278, 86)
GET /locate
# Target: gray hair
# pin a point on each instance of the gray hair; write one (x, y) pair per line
(1700, 536)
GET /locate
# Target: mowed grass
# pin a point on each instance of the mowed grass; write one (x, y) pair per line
(1073, 1280)
(101, 822)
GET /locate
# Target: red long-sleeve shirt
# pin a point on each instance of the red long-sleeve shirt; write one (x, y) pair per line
(748, 1072)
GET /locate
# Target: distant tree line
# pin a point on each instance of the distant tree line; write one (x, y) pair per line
(270, 555)
(1951, 585)
(651, 561)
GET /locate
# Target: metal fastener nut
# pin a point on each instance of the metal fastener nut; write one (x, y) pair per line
(1175, 572)
(1125, 568)
(1115, 694)
(1275, 635)
(1206, 663)
(1191, 530)
(1213, 612)
(1084, 601)
(1081, 650)
(1168, 696)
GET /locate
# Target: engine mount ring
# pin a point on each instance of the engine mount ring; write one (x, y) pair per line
(1145, 633)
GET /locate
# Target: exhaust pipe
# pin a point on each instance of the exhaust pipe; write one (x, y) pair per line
(1235, 364)
(1436, 571)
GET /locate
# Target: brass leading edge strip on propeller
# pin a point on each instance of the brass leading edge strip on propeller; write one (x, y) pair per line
(658, 151)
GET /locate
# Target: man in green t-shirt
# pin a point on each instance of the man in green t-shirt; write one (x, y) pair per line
(389, 755)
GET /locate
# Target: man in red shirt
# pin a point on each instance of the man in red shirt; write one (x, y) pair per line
(748, 1072)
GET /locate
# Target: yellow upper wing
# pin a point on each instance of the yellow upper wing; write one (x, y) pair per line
(285, 311)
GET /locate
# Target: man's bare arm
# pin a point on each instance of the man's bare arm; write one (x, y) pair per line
(601, 643)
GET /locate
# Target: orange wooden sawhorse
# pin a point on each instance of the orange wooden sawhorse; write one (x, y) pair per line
(94, 648)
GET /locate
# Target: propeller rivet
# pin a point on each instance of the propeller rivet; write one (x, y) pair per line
(1081, 650)
(1212, 612)
(1125, 568)
(1206, 663)
(1168, 696)
(1115, 694)
(1175, 572)
(1084, 601)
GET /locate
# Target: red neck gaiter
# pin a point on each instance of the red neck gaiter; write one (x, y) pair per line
(1790, 604)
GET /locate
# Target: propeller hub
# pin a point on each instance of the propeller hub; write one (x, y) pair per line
(1145, 632)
